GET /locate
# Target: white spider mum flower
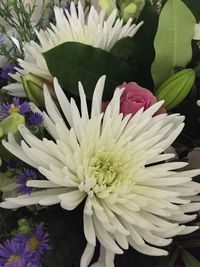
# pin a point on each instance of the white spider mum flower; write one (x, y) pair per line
(71, 26)
(117, 166)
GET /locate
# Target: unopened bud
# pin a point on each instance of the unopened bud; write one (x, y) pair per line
(131, 9)
(176, 88)
(107, 5)
(33, 86)
(10, 124)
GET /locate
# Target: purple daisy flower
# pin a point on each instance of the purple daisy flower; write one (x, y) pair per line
(4, 73)
(36, 119)
(15, 107)
(14, 254)
(25, 176)
(2, 40)
(37, 242)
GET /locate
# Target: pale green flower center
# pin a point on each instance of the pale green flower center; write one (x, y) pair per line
(106, 169)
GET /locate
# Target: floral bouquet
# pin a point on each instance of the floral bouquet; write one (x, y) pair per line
(100, 133)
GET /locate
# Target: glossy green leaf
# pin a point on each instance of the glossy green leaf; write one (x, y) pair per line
(72, 62)
(173, 40)
(189, 260)
(142, 54)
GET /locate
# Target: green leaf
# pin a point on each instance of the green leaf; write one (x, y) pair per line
(173, 40)
(189, 260)
(123, 49)
(72, 62)
(143, 54)
(138, 51)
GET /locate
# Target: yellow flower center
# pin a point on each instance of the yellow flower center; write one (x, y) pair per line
(32, 243)
(13, 258)
(13, 110)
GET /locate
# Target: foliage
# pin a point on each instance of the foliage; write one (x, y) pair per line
(163, 46)
(89, 64)
(172, 44)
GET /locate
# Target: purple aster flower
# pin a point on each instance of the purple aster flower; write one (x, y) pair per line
(2, 39)
(4, 73)
(37, 242)
(15, 107)
(25, 176)
(35, 119)
(14, 254)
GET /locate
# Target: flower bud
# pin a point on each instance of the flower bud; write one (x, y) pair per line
(24, 227)
(176, 88)
(33, 86)
(131, 9)
(10, 124)
(107, 5)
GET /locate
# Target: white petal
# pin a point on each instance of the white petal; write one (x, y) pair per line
(87, 255)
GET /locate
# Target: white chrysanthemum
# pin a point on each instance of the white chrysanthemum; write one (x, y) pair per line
(117, 166)
(95, 30)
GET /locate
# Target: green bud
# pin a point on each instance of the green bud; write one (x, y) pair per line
(22, 222)
(24, 227)
(11, 123)
(131, 8)
(24, 230)
(176, 88)
(33, 86)
(107, 5)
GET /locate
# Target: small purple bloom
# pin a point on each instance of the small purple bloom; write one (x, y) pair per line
(37, 243)
(15, 107)
(14, 254)
(2, 39)
(4, 72)
(25, 176)
(36, 118)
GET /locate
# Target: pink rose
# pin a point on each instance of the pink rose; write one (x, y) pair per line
(134, 98)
